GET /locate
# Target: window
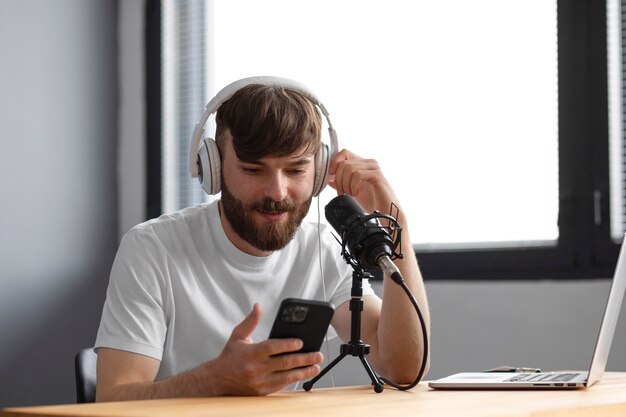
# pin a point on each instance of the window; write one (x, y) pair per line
(489, 117)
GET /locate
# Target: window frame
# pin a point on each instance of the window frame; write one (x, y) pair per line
(154, 138)
(584, 249)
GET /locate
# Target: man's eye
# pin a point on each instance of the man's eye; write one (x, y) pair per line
(297, 171)
(251, 170)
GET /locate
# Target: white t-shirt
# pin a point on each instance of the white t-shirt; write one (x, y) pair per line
(178, 286)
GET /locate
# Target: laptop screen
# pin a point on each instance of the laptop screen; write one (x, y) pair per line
(609, 321)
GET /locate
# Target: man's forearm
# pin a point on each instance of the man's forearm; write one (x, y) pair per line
(400, 341)
(192, 383)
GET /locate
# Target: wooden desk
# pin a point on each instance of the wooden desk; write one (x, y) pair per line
(605, 398)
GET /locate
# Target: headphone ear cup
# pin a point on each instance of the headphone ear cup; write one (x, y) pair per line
(322, 166)
(209, 167)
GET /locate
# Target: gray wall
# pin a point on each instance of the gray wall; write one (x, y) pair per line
(59, 217)
(62, 208)
(481, 325)
(545, 324)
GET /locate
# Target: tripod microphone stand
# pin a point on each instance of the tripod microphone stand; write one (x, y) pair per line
(360, 234)
(355, 347)
(365, 243)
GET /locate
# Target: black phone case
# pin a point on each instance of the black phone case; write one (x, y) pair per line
(310, 326)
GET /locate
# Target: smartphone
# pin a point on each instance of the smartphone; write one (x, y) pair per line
(307, 320)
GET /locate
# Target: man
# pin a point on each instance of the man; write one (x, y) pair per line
(180, 285)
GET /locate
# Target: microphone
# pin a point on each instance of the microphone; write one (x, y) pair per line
(367, 241)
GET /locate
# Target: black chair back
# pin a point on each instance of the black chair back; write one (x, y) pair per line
(85, 369)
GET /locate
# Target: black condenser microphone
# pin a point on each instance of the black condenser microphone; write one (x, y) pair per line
(367, 241)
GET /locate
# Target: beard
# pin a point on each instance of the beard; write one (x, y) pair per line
(268, 236)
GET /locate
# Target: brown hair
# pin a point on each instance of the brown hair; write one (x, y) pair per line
(269, 121)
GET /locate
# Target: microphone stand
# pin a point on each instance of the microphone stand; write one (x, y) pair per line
(355, 347)
(363, 246)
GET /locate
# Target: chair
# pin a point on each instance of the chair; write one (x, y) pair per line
(85, 369)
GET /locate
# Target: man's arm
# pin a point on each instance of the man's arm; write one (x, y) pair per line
(242, 368)
(391, 327)
(127, 376)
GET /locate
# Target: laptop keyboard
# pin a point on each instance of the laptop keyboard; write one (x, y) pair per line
(543, 377)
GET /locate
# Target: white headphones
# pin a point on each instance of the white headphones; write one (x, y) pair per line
(204, 158)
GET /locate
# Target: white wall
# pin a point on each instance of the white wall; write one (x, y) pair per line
(58, 211)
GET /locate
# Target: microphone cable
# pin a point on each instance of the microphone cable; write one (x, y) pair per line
(398, 279)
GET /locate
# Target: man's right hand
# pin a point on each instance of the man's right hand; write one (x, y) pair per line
(242, 368)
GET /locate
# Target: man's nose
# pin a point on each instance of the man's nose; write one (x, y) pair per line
(276, 187)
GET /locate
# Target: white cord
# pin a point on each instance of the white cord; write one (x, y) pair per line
(319, 247)
(319, 252)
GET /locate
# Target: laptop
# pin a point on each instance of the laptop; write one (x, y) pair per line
(554, 380)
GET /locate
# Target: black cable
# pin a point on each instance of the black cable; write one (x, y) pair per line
(397, 278)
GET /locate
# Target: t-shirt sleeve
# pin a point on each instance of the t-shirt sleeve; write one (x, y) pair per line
(133, 317)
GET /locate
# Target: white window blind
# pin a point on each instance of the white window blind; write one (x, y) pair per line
(185, 91)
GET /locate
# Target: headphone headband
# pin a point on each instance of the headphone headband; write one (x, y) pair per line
(228, 91)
